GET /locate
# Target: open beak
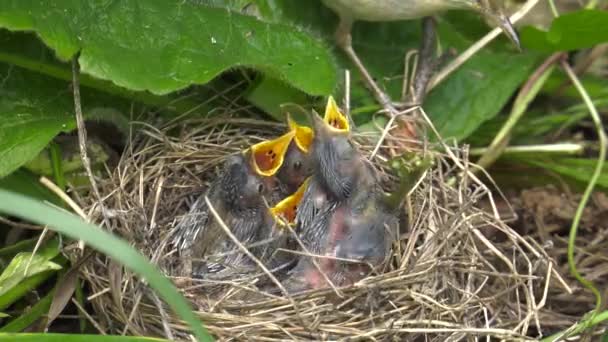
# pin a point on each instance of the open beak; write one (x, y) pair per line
(268, 155)
(302, 134)
(334, 117)
(285, 211)
(333, 123)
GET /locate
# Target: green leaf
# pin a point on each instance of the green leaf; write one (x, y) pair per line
(269, 94)
(25, 182)
(10, 251)
(16, 277)
(470, 96)
(578, 169)
(166, 46)
(94, 236)
(571, 31)
(531, 129)
(25, 50)
(479, 89)
(25, 286)
(30, 316)
(45, 337)
(33, 110)
(596, 86)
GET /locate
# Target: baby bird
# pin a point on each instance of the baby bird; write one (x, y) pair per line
(271, 246)
(238, 195)
(338, 171)
(332, 157)
(297, 165)
(372, 220)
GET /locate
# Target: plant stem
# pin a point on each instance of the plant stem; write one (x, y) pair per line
(603, 140)
(553, 8)
(561, 148)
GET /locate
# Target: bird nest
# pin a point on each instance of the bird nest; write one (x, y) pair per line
(458, 272)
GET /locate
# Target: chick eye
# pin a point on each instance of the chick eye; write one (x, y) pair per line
(260, 188)
(297, 165)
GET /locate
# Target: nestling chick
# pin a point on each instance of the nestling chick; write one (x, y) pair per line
(345, 214)
(297, 166)
(332, 158)
(238, 196)
(271, 247)
(372, 222)
(339, 170)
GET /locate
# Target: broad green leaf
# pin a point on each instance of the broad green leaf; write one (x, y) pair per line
(45, 337)
(118, 249)
(596, 86)
(35, 108)
(470, 96)
(478, 90)
(25, 50)
(163, 46)
(571, 31)
(4, 315)
(532, 128)
(30, 316)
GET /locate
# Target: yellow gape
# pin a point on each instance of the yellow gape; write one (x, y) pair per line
(268, 156)
(334, 117)
(303, 134)
(285, 211)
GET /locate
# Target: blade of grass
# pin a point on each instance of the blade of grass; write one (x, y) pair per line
(114, 247)
(41, 337)
(82, 320)
(559, 149)
(578, 328)
(57, 165)
(29, 317)
(25, 286)
(20, 246)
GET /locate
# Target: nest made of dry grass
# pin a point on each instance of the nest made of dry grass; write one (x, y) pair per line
(459, 272)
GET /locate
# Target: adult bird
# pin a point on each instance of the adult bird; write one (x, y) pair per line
(350, 11)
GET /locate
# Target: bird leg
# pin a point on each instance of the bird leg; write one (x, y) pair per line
(426, 61)
(344, 40)
(427, 65)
